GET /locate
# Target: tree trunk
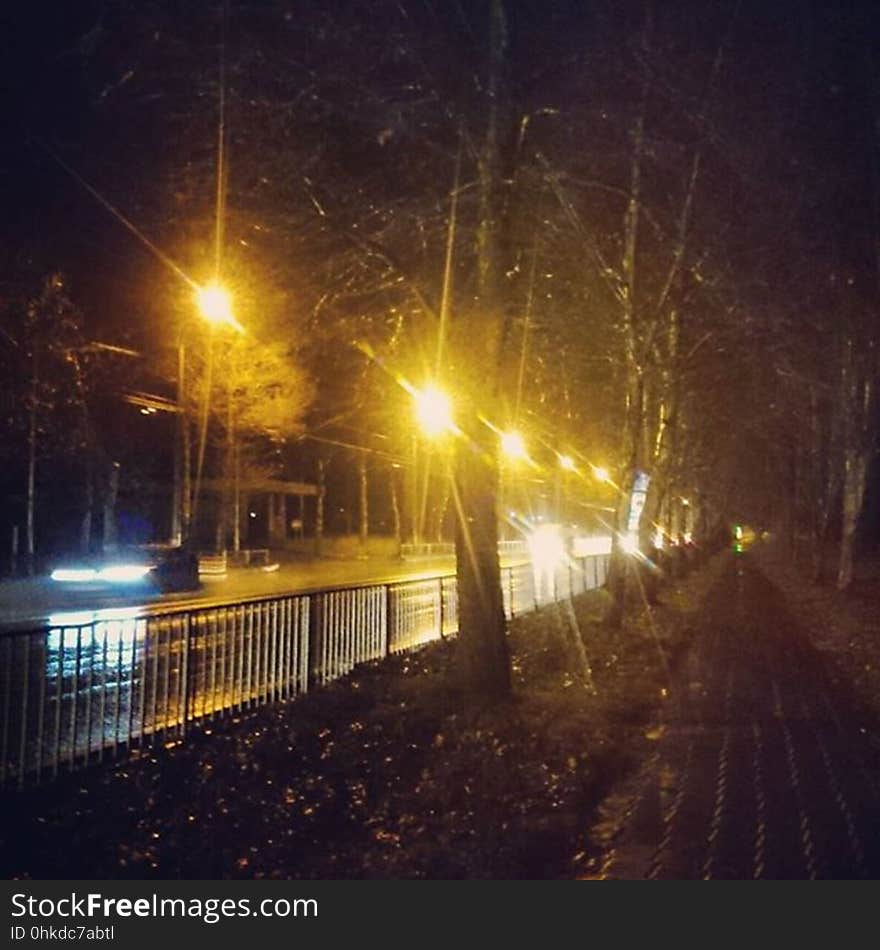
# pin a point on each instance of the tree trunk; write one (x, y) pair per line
(621, 562)
(414, 492)
(483, 653)
(854, 481)
(31, 473)
(364, 527)
(443, 506)
(395, 510)
(484, 657)
(180, 489)
(319, 511)
(227, 491)
(109, 534)
(186, 459)
(236, 508)
(85, 529)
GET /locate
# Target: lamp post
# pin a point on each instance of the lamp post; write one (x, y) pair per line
(433, 411)
(180, 522)
(215, 306)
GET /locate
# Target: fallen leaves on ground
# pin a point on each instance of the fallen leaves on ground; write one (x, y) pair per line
(388, 773)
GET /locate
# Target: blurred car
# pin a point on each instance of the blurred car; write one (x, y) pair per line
(148, 568)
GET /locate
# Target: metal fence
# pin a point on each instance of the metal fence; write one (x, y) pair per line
(103, 684)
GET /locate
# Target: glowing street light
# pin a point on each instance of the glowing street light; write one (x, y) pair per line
(215, 305)
(629, 543)
(600, 473)
(433, 411)
(512, 445)
(566, 462)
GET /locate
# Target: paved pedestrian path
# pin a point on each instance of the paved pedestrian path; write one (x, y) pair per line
(764, 766)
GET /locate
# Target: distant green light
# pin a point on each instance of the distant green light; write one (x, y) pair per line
(738, 547)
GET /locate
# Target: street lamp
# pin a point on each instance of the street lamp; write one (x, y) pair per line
(566, 462)
(215, 305)
(433, 410)
(512, 445)
(600, 473)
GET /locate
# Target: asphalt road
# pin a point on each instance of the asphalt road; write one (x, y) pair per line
(34, 600)
(763, 765)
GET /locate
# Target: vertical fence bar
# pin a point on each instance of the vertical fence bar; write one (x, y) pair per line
(41, 716)
(248, 659)
(285, 648)
(90, 689)
(118, 706)
(8, 655)
(389, 620)
(73, 694)
(142, 688)
(305, 627)
(355, 619)
(267, 634)
(440, 615)
(273, 663)
(240, 625)
(358, 619)
(257, 635)
(215, 637)
(24, 716)
(340, 633)
(102, 723)
(166, 681)
(314, 642)
(185, 666)
(334, 638)
(328, 630)
(287, 643)
(154, 684)
(343, 630)
(136, 626)
(295, 646)
(222, 702)
(59, 703)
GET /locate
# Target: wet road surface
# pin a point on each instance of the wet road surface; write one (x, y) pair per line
(764, 766)
(33, 601)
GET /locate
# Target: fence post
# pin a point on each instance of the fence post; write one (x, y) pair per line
(184, 671)
(314, 635)
(22, 752)
(440, 592)
(389, 618)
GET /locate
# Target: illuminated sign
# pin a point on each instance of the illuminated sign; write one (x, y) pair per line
(637, 501)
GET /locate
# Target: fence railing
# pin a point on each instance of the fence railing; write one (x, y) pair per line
(102, 685)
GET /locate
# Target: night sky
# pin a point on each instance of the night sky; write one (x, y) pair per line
(789, 109)
(126, 94)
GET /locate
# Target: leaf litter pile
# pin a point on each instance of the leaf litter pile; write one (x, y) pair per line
(390, 772)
